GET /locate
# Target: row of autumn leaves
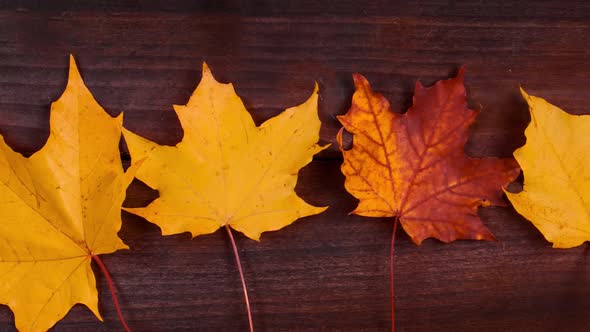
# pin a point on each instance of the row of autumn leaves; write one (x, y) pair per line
(61, 206)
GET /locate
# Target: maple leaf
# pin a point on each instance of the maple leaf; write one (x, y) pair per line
(59, 209)
(227, 171)
(412, 165)
(555, 161)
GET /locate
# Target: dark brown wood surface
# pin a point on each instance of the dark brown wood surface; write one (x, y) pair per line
(327, 272)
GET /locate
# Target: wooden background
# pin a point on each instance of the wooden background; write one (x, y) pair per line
(327, 272)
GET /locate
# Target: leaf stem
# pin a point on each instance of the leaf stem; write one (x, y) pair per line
(111, 284)
(391, 254)
(241, 271)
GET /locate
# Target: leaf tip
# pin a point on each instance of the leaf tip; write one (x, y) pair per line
(251, 235)
(486, 236)
(74, 73)
(207, 80)
(316, 87)
(418, 241)
(359, 80)
(461, 72)
(530, 100)
(417, 87)
(119, 118)
(131, 172)
(206, 70)
(324, 147)
(321, 209)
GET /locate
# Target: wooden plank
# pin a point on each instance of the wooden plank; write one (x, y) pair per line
(327, 272)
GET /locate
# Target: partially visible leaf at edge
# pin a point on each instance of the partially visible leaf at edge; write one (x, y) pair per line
(556, 164)
(58, 208)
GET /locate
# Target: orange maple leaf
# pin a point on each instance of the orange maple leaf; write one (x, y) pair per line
(412, 166)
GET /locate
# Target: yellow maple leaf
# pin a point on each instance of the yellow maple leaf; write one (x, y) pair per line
(226, 170)
(60, 208)
(556, 164)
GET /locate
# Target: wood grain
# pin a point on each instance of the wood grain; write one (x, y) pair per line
(328, 272)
